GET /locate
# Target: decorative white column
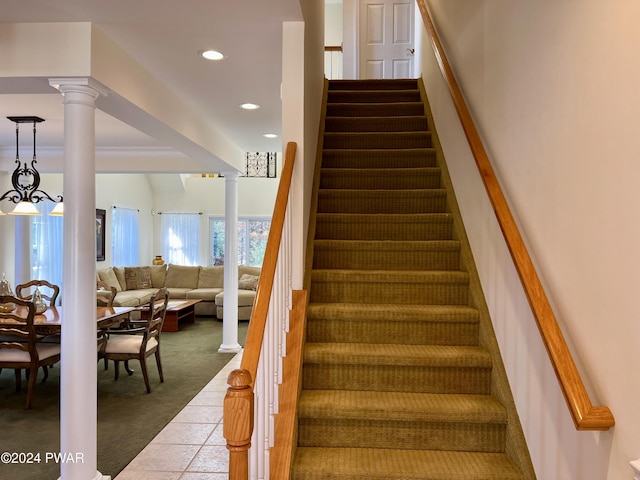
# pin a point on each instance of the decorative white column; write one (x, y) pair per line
(230, 310)
(78, 371)
(22, 260)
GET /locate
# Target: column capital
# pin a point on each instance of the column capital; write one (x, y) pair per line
(85, 85)
(231, 175)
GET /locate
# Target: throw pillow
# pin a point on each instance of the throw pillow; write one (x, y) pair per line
(137, 277)
(248, 282)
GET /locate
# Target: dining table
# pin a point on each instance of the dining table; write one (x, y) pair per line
(51, 320)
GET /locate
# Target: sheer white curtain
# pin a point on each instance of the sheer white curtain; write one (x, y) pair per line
(46, 245)
(180, 234)
(125, 244)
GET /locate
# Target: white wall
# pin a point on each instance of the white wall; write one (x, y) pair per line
(553, 86)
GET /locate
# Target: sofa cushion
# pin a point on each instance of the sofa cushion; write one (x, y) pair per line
(245, 298)
(108, 276)
(178, 292)
(137, 277)
(180, 276)
(248, 282)
(242, 269)
(122, 279)
(206, 294)
(158, 275)
(133, 298)
(211, 277)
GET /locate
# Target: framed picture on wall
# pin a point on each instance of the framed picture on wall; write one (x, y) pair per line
(100, 233)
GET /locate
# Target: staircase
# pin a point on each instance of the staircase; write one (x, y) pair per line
(397, 383)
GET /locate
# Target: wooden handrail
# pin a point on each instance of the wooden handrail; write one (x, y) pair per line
(238, 403)
(333, 48)
(585, 415)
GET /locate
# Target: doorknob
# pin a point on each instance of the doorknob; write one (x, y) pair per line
(411, 51)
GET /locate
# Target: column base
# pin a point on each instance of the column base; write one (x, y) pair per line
(237, 348)
(98, 476)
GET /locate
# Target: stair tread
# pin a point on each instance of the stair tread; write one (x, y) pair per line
(372, 172)
(384, 217)
(313, 463)
(387, 245)
(397, 355)
(394, 312)
(389, 276)
(400, 406)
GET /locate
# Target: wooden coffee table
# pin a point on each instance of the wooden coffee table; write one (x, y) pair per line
(177, 310)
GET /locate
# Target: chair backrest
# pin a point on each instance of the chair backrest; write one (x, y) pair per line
(157, 311)
(105, 299)
(16, 328)
(50, 295)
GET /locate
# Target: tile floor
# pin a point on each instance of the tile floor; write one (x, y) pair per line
(191, 446)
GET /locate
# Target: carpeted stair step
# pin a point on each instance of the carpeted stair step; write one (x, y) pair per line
(389, 158)
(380, 178)
(376, 124)
(371, 109)
(365, 84)
(381, 140)
(397, 368)
(395, 464)
(389, 286)
(348, 418)
(380, 226)
(395, 324)
(373, 96)
(386, 254)
(382, 201)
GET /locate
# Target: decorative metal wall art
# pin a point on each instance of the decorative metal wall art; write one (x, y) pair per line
(261, 164)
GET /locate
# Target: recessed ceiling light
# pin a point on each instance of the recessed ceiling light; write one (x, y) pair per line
(212, 55)
(249, 106)
(270, 135)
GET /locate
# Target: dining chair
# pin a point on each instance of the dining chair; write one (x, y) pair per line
(20, 348)
(138, 343)
(49, 293)
(105, 294)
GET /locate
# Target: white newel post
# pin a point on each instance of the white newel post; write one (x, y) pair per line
(230, 309)
(78, 371)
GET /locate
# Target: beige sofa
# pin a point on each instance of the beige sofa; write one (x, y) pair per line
(135, 285)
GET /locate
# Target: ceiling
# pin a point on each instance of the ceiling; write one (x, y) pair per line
(165, 37)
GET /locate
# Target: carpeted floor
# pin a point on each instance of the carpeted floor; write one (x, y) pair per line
(128, 417)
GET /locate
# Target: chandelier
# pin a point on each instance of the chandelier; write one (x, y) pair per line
(26, 179)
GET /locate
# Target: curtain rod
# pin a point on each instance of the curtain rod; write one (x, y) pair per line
(179, 213)
(126, 208)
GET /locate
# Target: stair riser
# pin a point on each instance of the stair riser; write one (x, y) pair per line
(421, 293)
(337, 201)
(376, 124)
(381, 140)
(329, 230)
(375, 109)
(364, 84)
(393, 378)
(372, 260)
(368, 433)
(395, 332)
(356, 180)
(399, 158)
(373, 96)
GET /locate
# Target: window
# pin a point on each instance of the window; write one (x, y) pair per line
(46, 245)
(252, 240)
(180, 234)
(125, 244)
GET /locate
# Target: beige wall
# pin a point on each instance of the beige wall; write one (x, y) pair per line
(553, 86)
